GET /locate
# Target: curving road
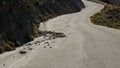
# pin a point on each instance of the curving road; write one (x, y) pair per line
(86, 45)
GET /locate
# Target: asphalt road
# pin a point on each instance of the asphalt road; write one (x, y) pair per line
(86, 45)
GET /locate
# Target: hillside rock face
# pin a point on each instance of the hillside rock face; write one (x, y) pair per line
(19, 19)
(115, 2)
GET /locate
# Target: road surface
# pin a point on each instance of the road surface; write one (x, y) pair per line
(86, 45)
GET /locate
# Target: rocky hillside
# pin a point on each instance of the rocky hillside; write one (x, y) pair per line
(109, 16)
(19, 19)
(114, 2)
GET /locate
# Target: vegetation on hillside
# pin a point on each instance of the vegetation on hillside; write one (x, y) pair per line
(109, 16)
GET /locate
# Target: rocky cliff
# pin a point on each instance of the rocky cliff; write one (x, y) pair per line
(19, 19)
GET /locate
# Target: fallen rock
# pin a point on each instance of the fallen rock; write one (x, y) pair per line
(44, 47)
(29, 43)
(30, 48)
(22, 52)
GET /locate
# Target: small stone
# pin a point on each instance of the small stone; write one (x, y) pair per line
(29, 44)
(48, 44)
(26, 57)
(30, 49)
(3, 64)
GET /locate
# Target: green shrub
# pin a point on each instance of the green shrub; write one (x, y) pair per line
(11, 44)
(1, 49)
(6, 47)
(17, 44)
(29, 37)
